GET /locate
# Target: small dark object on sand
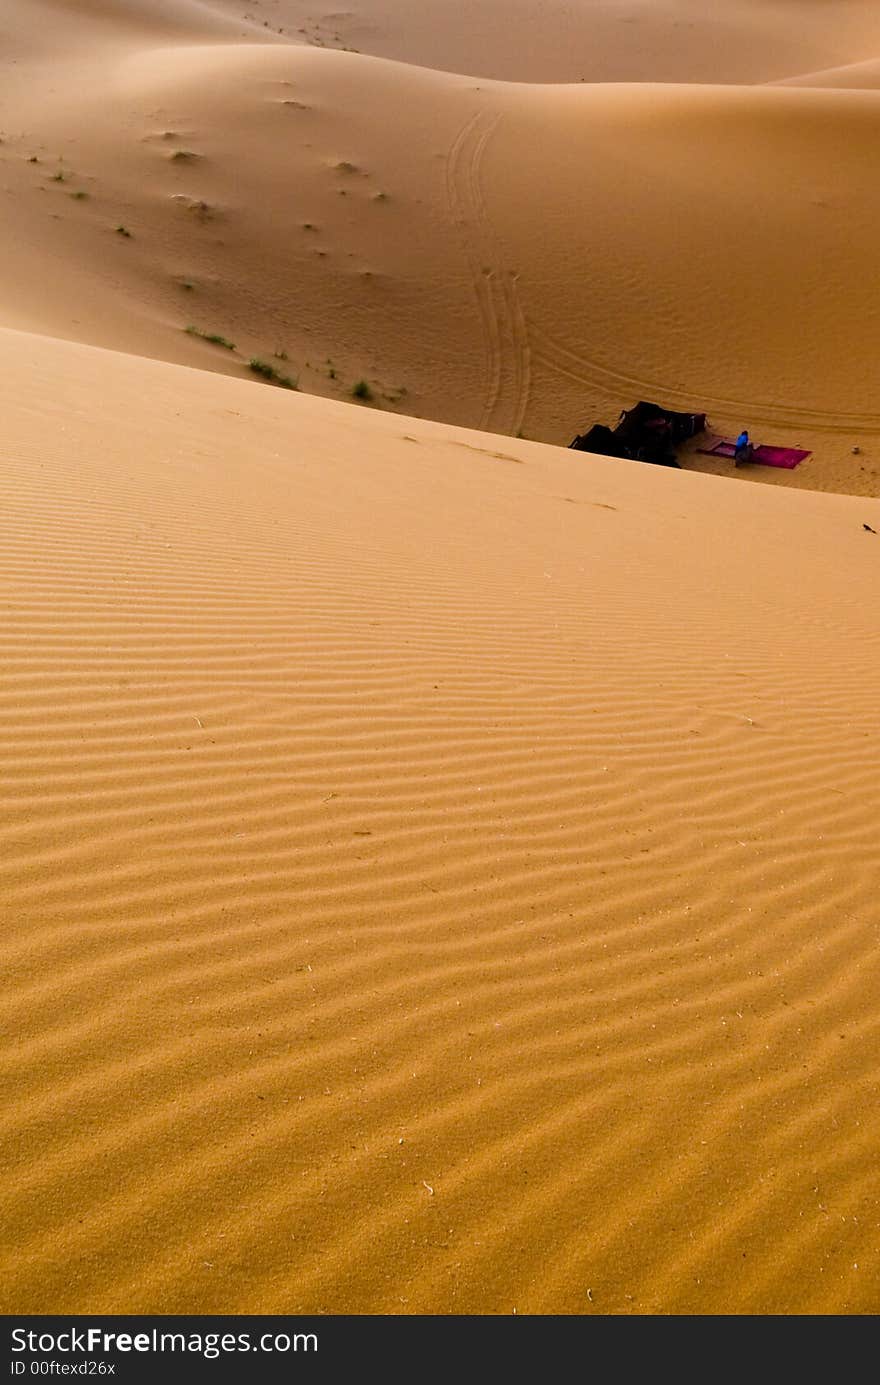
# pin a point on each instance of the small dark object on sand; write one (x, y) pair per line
(869, 529)
(645, 433)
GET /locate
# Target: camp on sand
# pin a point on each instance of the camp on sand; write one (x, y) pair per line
(650, 433)
(645, 433)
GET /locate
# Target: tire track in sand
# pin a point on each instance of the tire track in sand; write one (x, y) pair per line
(575, 365)
(505, 333)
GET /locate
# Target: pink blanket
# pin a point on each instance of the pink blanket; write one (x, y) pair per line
(787, 457)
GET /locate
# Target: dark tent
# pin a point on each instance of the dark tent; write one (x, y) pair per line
(645, 433)
(600, 440)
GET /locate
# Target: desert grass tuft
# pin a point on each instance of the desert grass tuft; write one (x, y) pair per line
(213, 337)
(268, 372)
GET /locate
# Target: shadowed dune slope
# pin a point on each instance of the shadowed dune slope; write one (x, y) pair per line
(590, 40)
(439, 875)
(516, 258)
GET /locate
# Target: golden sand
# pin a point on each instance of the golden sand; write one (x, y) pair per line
(439, 869)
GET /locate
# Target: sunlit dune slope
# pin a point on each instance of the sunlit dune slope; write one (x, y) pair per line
(439, 872)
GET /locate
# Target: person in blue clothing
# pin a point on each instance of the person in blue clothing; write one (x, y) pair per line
(743, 449)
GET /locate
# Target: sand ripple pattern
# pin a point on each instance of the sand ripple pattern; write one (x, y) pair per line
(429, 885)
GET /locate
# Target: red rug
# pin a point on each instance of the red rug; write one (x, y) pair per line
(787, 457)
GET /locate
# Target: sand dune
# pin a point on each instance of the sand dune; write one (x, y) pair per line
(422, 893)
(863, 76)
(438, 867)
(736, 41)
(514, 258)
